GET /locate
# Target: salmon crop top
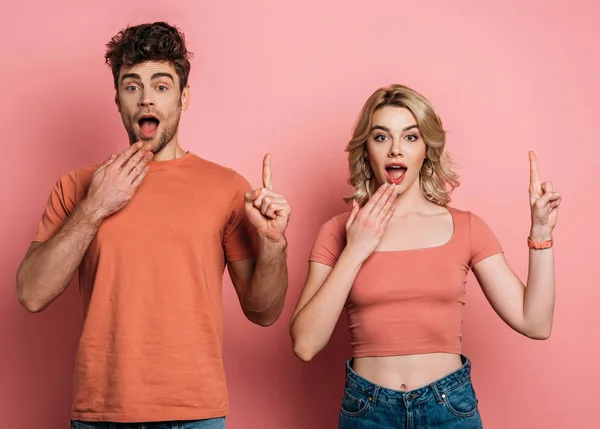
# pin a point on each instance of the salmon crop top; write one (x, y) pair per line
(409, 301)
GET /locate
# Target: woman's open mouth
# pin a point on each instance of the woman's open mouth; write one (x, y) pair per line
(395, 172)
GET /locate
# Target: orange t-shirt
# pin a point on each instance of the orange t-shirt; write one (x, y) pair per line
(151, 286)
(409, 301)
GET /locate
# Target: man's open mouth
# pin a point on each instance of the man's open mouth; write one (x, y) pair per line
(148, 125)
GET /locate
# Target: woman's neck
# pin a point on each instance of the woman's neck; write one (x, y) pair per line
(412, 200)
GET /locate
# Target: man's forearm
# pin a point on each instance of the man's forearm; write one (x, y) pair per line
(264, 299)
(48, 267)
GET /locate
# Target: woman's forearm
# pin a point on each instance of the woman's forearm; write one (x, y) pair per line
(538, 300)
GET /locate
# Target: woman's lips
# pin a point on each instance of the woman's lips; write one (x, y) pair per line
(395, 175)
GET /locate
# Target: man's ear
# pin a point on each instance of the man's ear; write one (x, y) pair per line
(185, 97)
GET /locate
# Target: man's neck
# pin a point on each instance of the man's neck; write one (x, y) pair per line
(170, 151)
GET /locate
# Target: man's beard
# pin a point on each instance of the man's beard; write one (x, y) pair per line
(171, 125)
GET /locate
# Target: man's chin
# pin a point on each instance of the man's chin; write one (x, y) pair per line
(155, 141)
(152, 140)
(153, 144)
(143, 138)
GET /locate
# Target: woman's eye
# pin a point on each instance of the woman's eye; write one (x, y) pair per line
(411, 138)
(380, 138)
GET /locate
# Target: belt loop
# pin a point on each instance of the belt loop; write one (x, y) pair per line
(437, 394)
(465, 360)
(375, 395)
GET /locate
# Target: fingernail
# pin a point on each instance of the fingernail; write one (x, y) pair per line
(139, 145)
(148, 155)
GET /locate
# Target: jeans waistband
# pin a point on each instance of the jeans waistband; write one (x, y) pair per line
(434, 390)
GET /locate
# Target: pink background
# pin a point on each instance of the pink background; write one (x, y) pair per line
(269, 76)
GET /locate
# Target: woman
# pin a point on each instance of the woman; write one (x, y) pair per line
(398, 264)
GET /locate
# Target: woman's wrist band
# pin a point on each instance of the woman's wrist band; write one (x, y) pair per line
(539, 245)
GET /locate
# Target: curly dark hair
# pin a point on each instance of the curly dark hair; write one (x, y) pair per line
(157, 41)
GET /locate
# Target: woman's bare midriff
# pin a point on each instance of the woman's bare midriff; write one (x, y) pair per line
(406, 372)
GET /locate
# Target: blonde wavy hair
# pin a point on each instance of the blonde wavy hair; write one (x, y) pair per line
(436, 178)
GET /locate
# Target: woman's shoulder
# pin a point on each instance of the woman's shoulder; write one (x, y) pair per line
(469, 221)
(340, 219)
(464, 212)
(460, 214)
(336, 225)
(330, 240)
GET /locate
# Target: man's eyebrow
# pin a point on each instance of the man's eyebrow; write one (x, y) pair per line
(163, 74)
(131, 76)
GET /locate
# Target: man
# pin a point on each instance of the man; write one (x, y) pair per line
(150, 232)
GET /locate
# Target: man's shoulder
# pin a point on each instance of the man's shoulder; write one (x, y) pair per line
(78, 177)
(217, 172)
(87, 171)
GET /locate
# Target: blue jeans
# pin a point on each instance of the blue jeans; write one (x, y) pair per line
(218, 423)
(448, 403)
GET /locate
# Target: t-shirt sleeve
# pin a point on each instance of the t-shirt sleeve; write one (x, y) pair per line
(329, 244)
(61, 202)
(239, 237)
(484, 242)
